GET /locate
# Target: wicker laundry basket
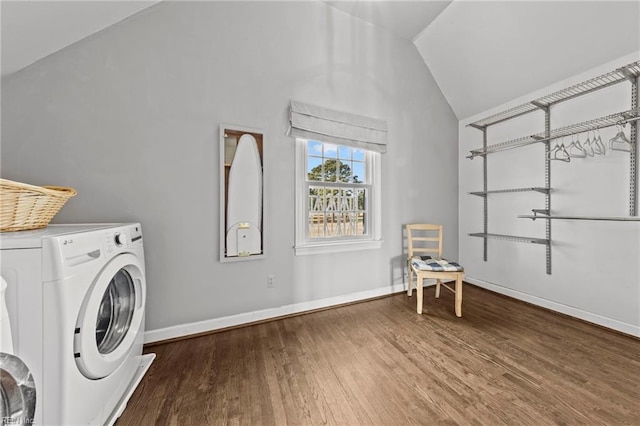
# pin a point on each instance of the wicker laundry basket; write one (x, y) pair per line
(24, 206)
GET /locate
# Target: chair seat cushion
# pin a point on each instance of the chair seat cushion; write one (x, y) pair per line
(428, 263)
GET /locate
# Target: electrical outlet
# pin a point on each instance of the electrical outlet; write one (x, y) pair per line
(271, 281)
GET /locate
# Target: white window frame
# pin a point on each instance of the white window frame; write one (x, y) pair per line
(307, 246)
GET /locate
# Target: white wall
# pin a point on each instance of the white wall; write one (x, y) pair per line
(595, 264)
(130, 116)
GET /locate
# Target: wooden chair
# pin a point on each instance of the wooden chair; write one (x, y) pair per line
(427, 238)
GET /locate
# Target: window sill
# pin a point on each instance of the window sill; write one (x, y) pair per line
(337, 247)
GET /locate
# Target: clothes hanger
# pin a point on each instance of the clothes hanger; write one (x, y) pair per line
(599, 143)
(575, 148)
(588, 147)
(564, 154)
(559, 152)
(620, 142)
(597, 149)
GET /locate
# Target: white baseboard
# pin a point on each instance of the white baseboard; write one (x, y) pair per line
(183, 330)
(620, 326)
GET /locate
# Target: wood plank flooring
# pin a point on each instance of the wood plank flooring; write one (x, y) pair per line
(380, 363)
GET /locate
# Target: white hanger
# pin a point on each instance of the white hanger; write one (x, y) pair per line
(598, 142)
(620, 142)
(588, 147)
(559, 152)
(575, 148)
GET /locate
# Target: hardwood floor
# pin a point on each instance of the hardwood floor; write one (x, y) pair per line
(380, 363)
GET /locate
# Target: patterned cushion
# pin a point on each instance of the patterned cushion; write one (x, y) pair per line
(428, 263)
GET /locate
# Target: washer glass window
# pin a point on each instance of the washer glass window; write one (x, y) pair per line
(116, 312)
(17, 391)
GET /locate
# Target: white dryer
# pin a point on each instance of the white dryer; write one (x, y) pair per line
(76, 299)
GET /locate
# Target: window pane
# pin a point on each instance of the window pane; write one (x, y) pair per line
(362, 223)
(344, 152)
(358, 154)
(330, 150)
(316, 200)
(345, 171)
(331, 200)
(314, 148)
(314, 169)
(316, 225)
(336, 212)
(352, 223)
(361, 199)
(358, 172)
(332, 224)
(362, 202)
(331, 167)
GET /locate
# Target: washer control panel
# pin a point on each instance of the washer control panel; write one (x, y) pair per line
(82, 245)
(123, 237)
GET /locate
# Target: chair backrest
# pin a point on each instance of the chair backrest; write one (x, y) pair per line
(424, 238)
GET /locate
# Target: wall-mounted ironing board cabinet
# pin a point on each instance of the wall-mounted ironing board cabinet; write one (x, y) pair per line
(630, 74)
(242, 220)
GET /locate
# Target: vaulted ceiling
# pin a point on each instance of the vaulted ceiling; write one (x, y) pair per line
(486, 53)
(481, 53)
(406, 19)
(32, 30)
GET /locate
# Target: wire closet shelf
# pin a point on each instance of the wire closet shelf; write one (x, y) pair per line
(627, 72)
(618, 119)
(539, 214)
(531, 240)
(503, 191)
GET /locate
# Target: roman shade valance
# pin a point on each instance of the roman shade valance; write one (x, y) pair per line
(342, 128)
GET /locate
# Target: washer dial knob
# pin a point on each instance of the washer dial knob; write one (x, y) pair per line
(119, 239)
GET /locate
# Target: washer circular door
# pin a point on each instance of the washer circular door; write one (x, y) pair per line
(17, 391)
(111, 317)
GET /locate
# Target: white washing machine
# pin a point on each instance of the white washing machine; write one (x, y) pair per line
(17, 389)
(76, 300)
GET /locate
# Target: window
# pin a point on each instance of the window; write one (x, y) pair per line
(337, 198)
(337, 179)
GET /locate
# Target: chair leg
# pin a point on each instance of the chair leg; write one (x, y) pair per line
(438, 282)
(420, 292)
(459, 296)
(410, 283)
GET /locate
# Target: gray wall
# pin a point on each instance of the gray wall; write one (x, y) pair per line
(130, 117)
